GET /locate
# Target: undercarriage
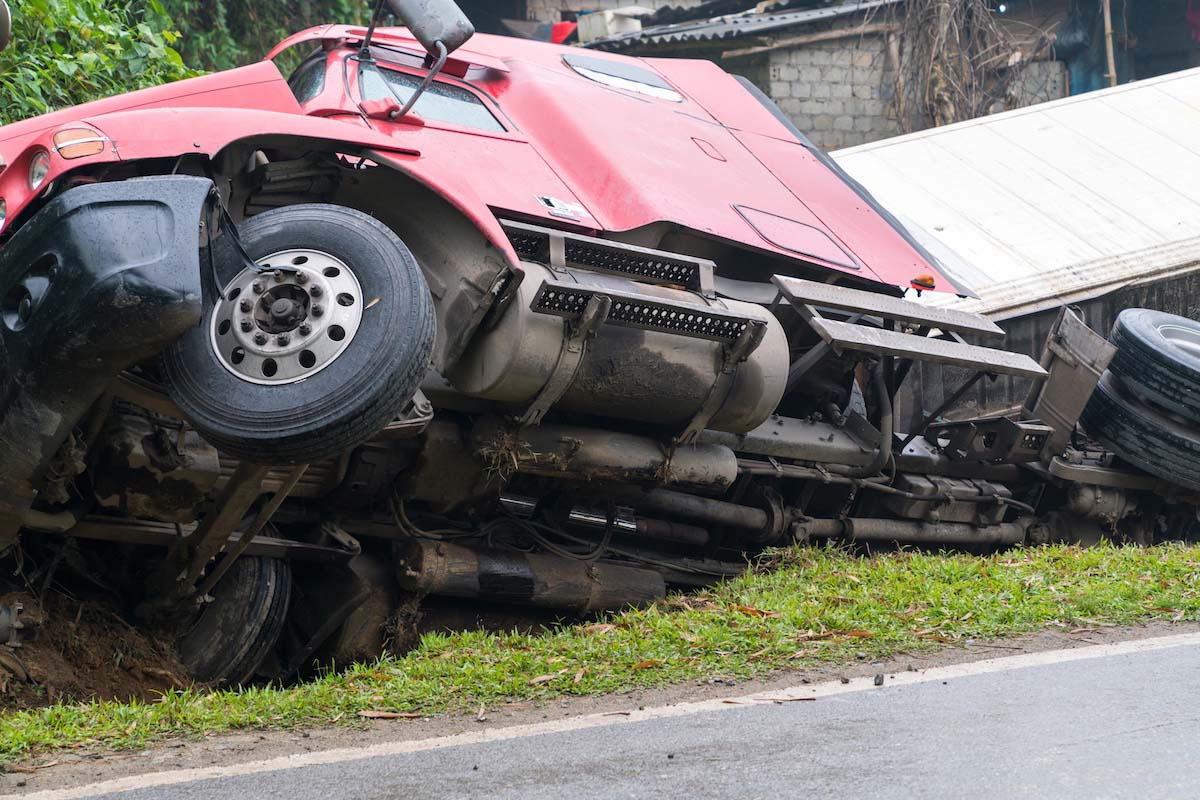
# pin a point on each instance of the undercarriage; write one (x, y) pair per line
(617, 425)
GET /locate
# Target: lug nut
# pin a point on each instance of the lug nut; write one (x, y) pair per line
(258, 287)
(283, 339)
(279, 276)
(315, 291)
(245, 305)
(260, 338)
(302, 278)
(317, 310)
(247, 325)
(305, 329)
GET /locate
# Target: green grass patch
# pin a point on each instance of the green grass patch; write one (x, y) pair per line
(804, 607)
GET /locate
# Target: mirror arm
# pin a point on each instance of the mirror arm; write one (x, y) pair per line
(364, 52)
(443, 54)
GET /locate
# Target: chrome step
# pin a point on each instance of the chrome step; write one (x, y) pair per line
(847, 336)
(798, 290)
(810, 299)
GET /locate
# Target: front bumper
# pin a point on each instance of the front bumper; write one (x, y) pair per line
(105, 276)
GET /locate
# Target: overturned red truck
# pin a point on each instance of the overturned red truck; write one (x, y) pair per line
(493, 319)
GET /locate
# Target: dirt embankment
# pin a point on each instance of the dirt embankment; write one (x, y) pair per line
(72, 650)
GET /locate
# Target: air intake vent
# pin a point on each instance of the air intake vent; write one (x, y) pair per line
(603, 258)
(559, 249)
(530, 246)
(639, 312)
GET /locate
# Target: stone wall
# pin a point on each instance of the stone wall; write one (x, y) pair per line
(838, 92)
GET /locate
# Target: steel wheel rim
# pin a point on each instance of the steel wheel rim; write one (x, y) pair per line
(1185, 339)
(287, 319)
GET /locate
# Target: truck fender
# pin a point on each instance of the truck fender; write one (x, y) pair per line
(105, 276)
(467, 258)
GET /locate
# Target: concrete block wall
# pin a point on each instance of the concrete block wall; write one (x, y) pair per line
(838, 92)
(551, 10)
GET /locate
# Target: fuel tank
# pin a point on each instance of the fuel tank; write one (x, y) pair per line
(627, 371)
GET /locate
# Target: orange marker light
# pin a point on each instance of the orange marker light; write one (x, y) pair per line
(923, 282)
(79, 142)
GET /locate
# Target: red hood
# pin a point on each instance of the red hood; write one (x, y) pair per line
(712, 160)
(717, 161)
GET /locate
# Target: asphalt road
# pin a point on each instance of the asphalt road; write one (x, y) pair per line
(1124, 725)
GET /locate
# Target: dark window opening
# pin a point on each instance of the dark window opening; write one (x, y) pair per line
(442, 102)
(309, 79)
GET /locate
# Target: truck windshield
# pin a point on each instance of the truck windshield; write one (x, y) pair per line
(442, 102)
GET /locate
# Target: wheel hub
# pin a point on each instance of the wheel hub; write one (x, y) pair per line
(288, 319)
(282, 309)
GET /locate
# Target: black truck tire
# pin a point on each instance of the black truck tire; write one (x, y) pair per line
(1158, 359)
(335, 400)
(1143, 435)
(233, 634)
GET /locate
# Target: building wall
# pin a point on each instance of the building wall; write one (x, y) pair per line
(838, 92)
(551, 10)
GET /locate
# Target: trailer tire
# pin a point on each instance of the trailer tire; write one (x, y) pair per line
(231, 635)
(1143, 435)
(361, 331)
(1158, 359)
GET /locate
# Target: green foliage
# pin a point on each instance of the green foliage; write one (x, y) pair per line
(66, 52)
(220, 34)
(800, 608)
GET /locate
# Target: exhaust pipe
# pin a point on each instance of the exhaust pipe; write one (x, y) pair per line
(511, 576)
(903, 530)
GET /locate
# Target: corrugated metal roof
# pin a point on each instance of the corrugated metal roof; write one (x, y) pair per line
(1056, 202)
(732, 26)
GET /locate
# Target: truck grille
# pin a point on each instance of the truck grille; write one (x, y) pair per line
(639, 312)
(533, 243)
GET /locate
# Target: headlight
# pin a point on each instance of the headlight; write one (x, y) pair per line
(3, 212)
(39, 168)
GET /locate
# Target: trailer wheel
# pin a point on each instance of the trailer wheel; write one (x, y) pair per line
(1158, 359)
(233, 633)
(314, 350)
(1143, 435)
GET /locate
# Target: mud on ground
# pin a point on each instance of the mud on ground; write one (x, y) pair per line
(78, 650)
(74, 650)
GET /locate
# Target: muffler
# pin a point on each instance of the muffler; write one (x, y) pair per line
(512, 576)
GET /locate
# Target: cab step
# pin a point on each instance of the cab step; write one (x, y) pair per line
(906, 336)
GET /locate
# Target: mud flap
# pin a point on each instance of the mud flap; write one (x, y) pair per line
(105, 276)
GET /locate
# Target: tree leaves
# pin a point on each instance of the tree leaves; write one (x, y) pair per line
(68, 52)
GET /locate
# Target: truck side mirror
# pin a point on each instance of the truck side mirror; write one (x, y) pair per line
(5, 25)
(433, 21)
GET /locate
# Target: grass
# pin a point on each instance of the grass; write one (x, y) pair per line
(805, 607)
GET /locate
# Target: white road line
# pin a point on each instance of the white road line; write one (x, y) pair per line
(818, 690)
